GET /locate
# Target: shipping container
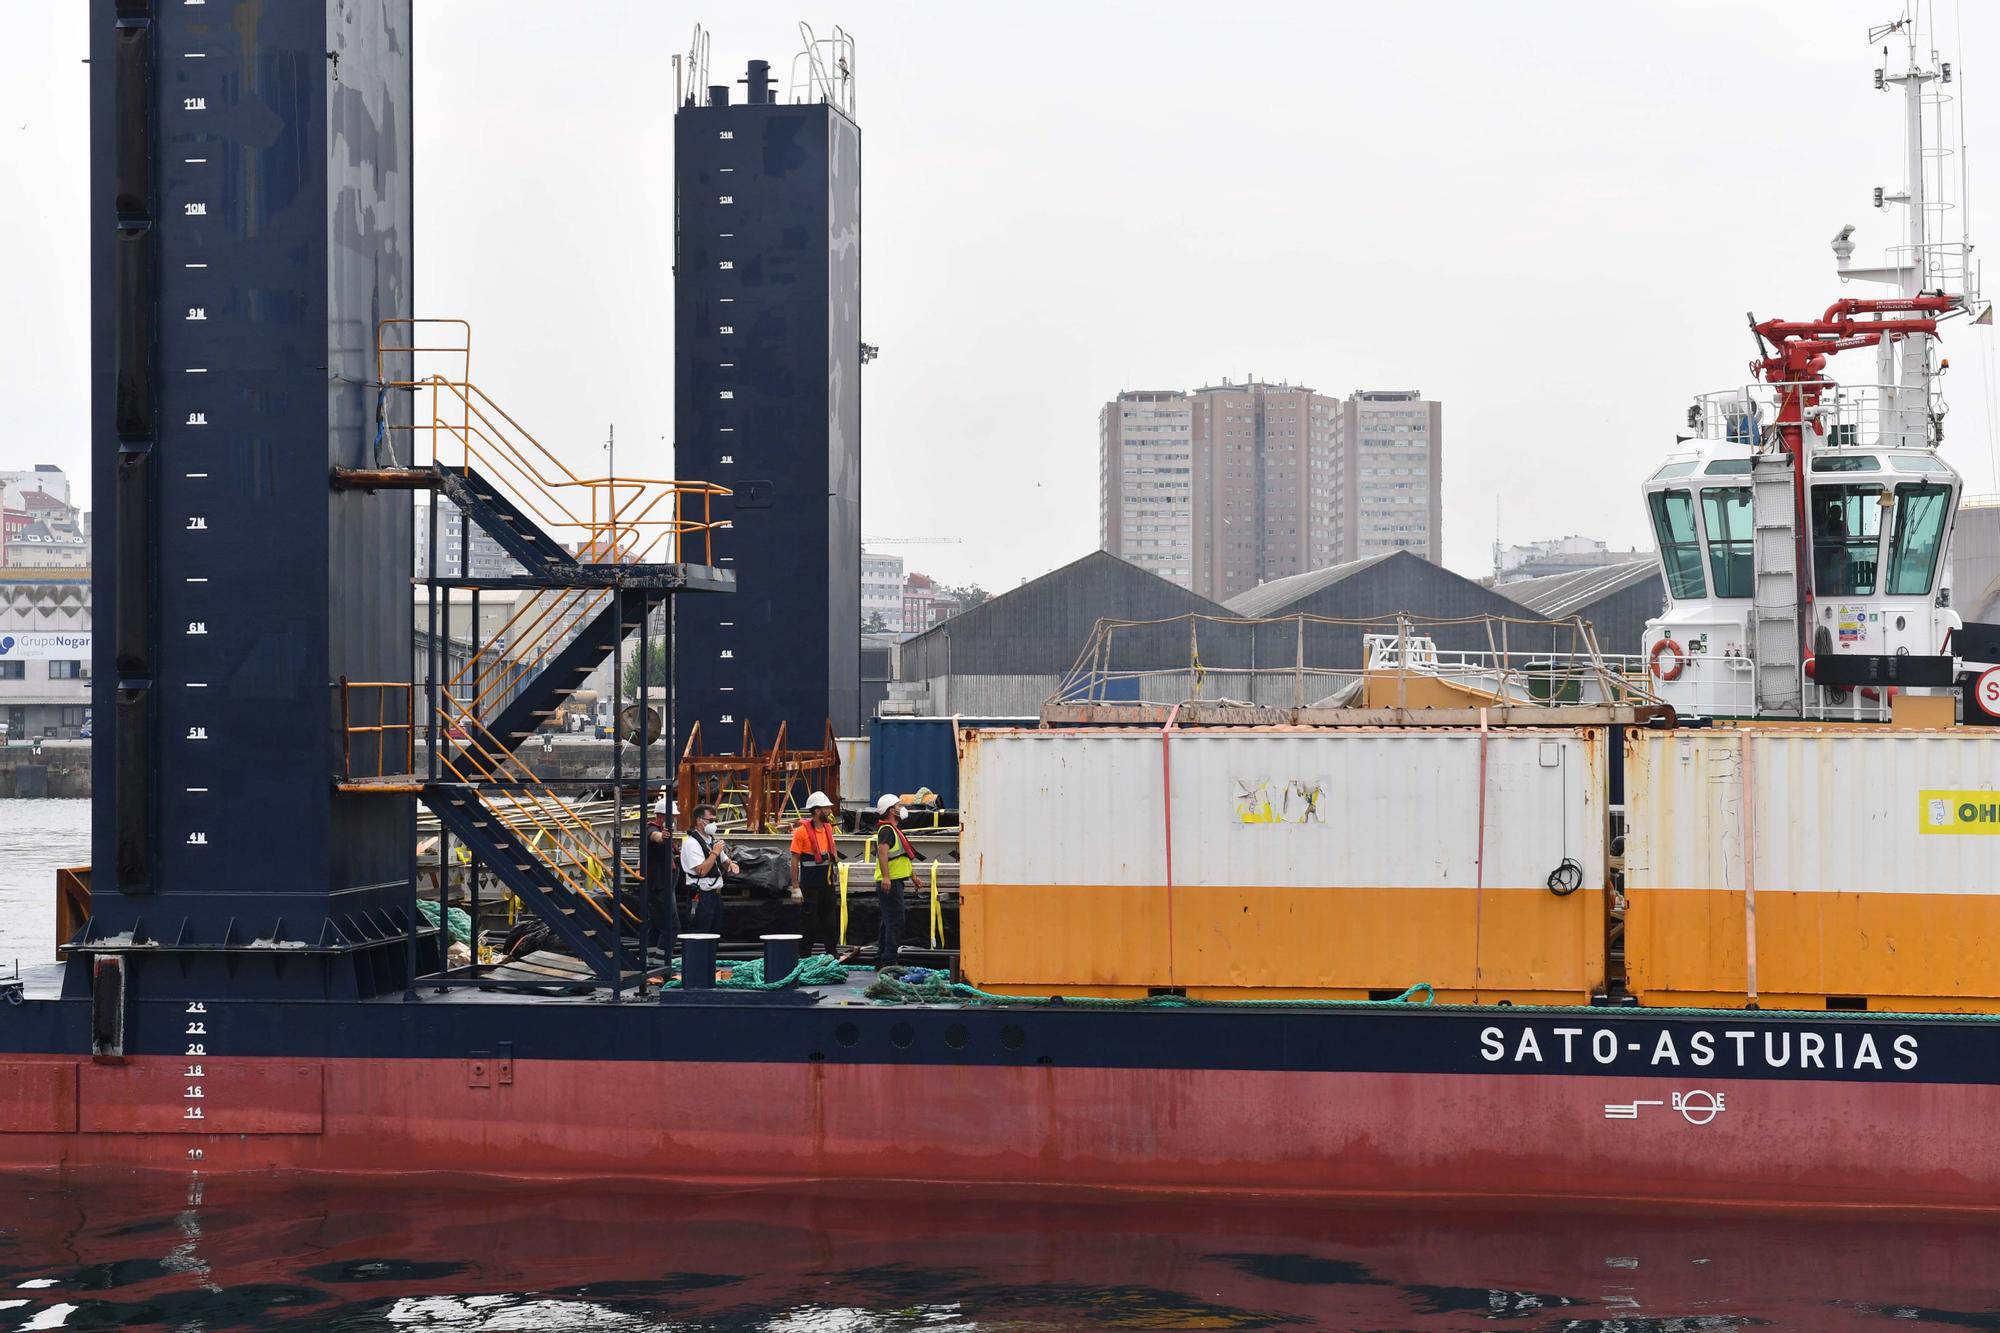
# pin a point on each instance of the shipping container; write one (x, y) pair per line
(907, 754)
(1338, 862)
(1869, 860)
(855, 788)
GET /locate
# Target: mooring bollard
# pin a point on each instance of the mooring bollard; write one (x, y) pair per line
(698, 961)
(781, 956)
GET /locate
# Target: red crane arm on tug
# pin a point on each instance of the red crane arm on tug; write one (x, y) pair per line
(1802, 346)
(1800, 349)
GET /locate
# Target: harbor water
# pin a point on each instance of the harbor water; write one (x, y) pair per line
(36, 839)
(100, 1251)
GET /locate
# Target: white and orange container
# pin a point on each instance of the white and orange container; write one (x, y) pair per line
(1286, 862)
(1814, 867)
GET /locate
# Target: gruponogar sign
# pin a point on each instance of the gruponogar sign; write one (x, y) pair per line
(42, 645)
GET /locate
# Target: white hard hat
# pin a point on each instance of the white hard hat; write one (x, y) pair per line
(887, 803)
(816, 800)
(660, 806)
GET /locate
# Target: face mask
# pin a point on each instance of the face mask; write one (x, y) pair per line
(708, 827)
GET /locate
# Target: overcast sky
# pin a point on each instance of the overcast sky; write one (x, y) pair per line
(1550, 216)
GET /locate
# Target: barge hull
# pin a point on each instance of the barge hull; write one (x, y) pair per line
(1581, 1136)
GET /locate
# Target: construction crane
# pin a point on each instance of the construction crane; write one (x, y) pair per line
(912, 541)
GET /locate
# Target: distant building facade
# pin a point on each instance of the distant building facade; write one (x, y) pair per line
(39, 527)
(1390, 491)
(480, 558)
(44, 652)
(1145, 482)
(881, 593)
(918, 594)
(925, 603)
(1228, 486)
(1560, 555)
(44, 478)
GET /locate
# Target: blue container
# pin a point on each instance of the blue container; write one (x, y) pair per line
(909, 753)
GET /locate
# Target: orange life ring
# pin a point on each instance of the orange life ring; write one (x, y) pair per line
(1673, 669)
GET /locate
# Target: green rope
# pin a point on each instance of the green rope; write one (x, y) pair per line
(461, 924)
(817, 969)
(813, 970)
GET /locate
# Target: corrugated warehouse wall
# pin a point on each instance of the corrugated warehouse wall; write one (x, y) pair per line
(1873, 857)
(1329, 862)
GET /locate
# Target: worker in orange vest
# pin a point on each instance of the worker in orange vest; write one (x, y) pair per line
(813, 855)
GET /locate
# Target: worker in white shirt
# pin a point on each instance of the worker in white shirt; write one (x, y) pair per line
(704, 860)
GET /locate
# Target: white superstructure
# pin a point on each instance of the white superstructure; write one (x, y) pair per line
(1803, 528)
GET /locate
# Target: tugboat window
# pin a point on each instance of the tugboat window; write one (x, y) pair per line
(1913, 547)
(1726, 512)
(1680, 553)
(1847, 535)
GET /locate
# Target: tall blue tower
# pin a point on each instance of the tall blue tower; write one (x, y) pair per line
(250, 224)
(767, 401)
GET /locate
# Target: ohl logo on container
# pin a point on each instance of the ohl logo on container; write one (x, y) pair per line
(1960, 812)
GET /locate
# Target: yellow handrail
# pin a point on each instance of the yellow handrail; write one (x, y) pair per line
(618, 519)
(569, 836)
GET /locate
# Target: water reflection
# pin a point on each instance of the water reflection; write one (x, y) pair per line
(411, 1253)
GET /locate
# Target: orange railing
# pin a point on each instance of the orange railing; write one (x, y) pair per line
(531, 640)
(575, 851)
(603, 520)
(381, 728)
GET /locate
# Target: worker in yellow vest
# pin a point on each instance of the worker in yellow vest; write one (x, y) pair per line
(894, 869)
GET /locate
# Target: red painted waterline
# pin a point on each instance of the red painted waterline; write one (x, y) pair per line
(1775, 1142)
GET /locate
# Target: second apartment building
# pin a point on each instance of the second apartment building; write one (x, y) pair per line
(1228, 486)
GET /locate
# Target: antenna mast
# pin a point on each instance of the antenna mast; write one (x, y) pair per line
(1924, 263)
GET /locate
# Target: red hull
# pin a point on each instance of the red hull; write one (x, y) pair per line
(1774, 1141)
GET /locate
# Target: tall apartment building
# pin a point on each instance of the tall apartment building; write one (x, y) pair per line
(1390, 489)
(1145, 481)
(1227, 486)
(1264, 469)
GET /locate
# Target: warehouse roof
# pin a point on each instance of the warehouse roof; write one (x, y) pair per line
(1039, 628)
(1279, 594)
(1558, 596)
